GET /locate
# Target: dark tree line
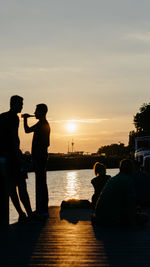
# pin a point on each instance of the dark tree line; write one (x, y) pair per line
(113, 150)
(142, 124)
(141, 121)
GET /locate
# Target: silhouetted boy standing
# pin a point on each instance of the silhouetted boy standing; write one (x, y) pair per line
(9, 149)
(40, 145)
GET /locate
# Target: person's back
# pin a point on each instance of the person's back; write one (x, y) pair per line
(9, 140)
(99, 181)
(113, 205)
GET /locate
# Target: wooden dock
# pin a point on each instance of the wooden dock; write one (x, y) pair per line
(68, 239)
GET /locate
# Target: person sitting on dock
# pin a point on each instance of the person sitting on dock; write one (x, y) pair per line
(9, 149)
(99, 181)
(40, 145)
(116, 205)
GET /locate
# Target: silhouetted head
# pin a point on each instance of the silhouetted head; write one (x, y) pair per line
(99, 169)
(16, 103)
(126, 166)
(41, 110)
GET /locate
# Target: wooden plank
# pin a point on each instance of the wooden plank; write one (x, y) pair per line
(68, 239)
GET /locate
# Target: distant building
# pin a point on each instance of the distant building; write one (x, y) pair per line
(76, 153)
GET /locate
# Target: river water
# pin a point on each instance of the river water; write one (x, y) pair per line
(62, 185)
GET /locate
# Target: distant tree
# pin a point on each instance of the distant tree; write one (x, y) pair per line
(119, 150)
(142, 120)
(142, 124)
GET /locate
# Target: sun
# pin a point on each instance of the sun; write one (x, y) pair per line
(71, 127)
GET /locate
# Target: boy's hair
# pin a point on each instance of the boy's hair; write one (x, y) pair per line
(99, 168)
(126, 166)
(43, 108)
(15, 99)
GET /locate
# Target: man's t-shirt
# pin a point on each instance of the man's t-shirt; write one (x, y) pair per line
(112, 206)
(41, 137)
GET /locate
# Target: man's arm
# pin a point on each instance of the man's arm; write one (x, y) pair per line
(26, 127)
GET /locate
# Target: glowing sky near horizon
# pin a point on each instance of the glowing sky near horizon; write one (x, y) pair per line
(88, 60)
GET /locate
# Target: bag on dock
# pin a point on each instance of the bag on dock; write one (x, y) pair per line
(75, 204)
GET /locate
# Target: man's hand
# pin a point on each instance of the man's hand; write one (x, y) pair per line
(25, 116)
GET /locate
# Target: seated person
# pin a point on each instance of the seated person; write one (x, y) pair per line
(116, 205)
(99, 181)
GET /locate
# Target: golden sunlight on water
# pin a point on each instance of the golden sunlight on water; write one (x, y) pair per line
(72, 185)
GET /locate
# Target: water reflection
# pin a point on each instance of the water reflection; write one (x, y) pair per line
(72, 185)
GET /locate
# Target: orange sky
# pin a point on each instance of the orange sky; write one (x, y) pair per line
(88, 61)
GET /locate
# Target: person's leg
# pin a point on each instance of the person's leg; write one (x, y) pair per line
(41, 186)
(24, 197)
(44, 192)
(41, 191)
(14, 198)
(37, 191)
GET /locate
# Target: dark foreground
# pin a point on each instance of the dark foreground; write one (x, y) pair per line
(68, 239)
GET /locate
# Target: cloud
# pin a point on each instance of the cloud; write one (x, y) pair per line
(31, 70)
(81, 120)
(139, 36)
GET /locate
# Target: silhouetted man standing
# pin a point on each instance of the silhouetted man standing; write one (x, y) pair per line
(9, 149)
(40, 145)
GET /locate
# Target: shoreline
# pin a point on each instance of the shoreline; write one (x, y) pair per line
(57, 162)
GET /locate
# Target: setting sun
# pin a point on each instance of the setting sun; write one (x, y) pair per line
(71, 127)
